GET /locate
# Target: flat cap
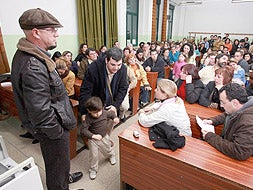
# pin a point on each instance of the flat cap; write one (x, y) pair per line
(38, 18)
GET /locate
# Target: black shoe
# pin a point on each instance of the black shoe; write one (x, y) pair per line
(35, 141)
(27, 135)
(74, 177)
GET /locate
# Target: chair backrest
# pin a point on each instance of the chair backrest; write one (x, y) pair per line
(4, 65)
(152, 79)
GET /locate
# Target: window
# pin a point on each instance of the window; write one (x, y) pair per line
(132, 22)
(170, 21)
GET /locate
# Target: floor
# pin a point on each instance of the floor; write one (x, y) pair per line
(19, 149)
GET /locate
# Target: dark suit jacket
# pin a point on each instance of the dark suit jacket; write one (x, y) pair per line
(157, 67)
(94, 84)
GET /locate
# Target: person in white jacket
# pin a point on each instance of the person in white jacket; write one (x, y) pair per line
(170, 109)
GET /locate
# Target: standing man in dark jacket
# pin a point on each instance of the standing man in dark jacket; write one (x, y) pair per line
(155, 64)
(41, 99)
(236, 140)
(105, 78)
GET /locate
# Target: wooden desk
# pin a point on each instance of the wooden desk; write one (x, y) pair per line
(195, 166)
(77, 86)
(7, 104)
(152, 79)
(7, 100)
(135, 94)
(203, 113)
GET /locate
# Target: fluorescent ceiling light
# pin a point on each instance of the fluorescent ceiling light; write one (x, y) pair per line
(241, 1)
(184, 3)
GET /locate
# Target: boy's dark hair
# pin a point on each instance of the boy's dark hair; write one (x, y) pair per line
(235, 91)
(94, 104)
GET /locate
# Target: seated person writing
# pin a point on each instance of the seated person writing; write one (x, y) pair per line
(236, 139)
(97, 126)
(170, 109)
(210, 96)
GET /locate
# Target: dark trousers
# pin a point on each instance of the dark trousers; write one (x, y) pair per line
(56, 155)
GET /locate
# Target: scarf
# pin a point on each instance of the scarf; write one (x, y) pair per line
(28, 47)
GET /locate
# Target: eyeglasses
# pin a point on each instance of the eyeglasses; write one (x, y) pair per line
(52, 30)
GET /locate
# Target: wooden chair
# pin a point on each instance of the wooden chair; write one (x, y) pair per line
(166, 72)
(135, 94)
(77, 86)
(152, 79)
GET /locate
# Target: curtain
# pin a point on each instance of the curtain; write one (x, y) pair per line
(4, 65)
(90, 22)
(111, 22)
(94, 28)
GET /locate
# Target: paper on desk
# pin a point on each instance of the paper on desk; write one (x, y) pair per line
(204, 126)
(3, 84)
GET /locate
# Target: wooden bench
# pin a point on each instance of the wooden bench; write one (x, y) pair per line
(135, 94)
(197, 165)
(203, 113)
(152, 79)
(7, 104)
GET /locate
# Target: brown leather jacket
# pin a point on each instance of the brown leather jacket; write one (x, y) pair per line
(39, 93)
(237, 141)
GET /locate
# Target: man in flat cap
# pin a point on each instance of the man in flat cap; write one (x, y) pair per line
(41, 98)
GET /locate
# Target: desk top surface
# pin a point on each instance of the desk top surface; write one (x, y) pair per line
(199, 154)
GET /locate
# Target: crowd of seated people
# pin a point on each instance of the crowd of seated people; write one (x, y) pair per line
(198, 69)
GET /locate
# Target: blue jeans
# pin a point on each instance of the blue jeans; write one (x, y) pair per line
(144, 95)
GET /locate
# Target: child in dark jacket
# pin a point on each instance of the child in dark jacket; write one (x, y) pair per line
(97, 127)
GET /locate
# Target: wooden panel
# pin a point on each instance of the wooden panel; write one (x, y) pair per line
(7, 102)
(135, 94)
(77, 86)
(166, 72)
(195, 166)
(203, 113)
(164, 21)
(153, 35)
(152, 79)
(4, 65)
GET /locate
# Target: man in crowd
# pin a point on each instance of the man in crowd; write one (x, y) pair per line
(105, 78)
(155, 64)
(236, 139)
(41, 98)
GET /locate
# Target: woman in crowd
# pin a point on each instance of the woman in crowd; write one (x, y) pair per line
(189, 84)
(165, 56)
(170, 109)
(235, 46)
(239, 72)
(210, 96)
(139, 56)
(249, 88)
(188, 50)
(67, 76)
(140, 74)
(73, 65)
(82, 52)
(178, 65)
(248, 57)
(56, 55)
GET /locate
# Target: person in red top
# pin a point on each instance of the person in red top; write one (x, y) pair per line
(228, 44)
(189, 84)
